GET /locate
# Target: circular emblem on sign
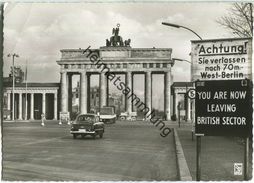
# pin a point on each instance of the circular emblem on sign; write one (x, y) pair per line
(191, 93)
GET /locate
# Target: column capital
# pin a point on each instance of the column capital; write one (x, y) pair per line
(82, 72)
(168, 70)
(104, 72)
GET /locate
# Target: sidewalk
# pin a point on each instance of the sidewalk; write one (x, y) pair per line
(218, 155)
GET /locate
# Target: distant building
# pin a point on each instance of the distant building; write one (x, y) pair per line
(117, 100)
(94, 99)
(31, 100)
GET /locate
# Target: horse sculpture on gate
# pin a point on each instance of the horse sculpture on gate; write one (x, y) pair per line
(117, 40)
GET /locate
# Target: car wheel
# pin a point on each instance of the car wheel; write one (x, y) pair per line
(101, 134)
(93, 136)
(74, 136)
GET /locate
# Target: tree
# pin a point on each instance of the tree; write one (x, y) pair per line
(239, 20)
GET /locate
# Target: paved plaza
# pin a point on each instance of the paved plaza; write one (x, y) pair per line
(128, 151)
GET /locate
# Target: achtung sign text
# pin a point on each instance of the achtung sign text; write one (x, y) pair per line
(225, 59)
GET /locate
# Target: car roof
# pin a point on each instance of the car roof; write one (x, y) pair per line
(88, 114)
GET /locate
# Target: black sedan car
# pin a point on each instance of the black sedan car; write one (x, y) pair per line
(87, 124)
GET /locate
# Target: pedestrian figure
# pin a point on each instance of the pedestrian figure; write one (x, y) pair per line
(43, 119)
(61, 118)
(68, 119)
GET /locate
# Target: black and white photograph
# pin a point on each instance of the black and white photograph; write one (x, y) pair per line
(126, 90)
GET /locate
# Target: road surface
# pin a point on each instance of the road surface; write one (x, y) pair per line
(128, 151)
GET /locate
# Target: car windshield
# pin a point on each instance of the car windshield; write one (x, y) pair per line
(105, 111)
(86, 118)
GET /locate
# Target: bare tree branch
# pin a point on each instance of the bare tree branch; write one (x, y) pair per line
(238, 20)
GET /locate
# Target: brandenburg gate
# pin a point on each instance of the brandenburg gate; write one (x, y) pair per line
(120, 58)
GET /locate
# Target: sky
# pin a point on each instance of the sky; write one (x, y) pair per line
(38, 31)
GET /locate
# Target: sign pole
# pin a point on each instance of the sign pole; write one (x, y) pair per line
(178, 108)
(198, 150)
(179, 118)
(246, 158)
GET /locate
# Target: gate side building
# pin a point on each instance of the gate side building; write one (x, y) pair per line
(31, 100)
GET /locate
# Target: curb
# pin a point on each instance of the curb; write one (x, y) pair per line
(183, 169)
(28, 121)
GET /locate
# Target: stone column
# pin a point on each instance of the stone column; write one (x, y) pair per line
(129, 85)
(9, 103)
(89, 101)
(63, 92)
(55, 106)
(83, 93)
(148, 92)
(103, 90)
(44, 103)
(188, 109)
(176, 103)
(168, 94)
(69, 93)
(172, 104)
(26, 106)
(20, 106)
(32, 107)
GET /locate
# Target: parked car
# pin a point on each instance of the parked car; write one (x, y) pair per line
(107, 114)
(87, 124)
(126, 116)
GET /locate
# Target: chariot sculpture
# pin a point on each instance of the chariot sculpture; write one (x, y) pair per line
(116, 40)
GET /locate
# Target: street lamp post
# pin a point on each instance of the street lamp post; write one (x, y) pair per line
(181, 60)
(13, 83)
(180, 26)
(198, 145)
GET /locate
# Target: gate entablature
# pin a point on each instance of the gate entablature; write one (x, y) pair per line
(117, 59)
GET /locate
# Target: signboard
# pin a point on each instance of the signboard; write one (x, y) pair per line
(223, 108)
(221, 59)
(191, 93)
